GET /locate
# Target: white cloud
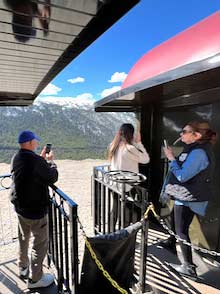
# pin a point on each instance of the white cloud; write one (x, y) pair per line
(110, 91)
(51, 89)
(83, 99)
(118, 77)
(76, 80)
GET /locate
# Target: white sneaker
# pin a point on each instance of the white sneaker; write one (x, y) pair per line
(24, 272)
(45, 281)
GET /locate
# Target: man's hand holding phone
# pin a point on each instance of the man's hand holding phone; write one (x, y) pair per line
(48, 148)
(47, 153)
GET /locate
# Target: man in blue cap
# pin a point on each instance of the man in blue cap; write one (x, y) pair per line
(31, 174)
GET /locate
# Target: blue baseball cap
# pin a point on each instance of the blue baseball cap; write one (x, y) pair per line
(26, 136)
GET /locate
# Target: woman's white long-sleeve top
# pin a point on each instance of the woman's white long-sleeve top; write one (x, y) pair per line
(128, 156)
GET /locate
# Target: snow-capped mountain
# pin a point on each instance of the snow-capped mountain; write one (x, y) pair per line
(75, 130)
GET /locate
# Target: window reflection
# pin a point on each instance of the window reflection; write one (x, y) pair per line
(24, 14)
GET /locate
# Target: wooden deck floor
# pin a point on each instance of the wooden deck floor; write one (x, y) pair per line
(10, 283)
(159, 275)
(164, 280)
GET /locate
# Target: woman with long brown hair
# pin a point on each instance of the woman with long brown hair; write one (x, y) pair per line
(126, 151)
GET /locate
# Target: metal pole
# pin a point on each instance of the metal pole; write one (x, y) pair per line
(145, 288)
(93, 195)
(74, 249)
(143, 259)
(123, 206)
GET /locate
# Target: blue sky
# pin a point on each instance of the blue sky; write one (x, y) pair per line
(102, 67)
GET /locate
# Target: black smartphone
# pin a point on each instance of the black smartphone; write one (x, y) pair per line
(48, 148)
(165, 143)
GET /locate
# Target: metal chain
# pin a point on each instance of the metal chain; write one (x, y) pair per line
(152, 209)
(98, 263)
(195, 247)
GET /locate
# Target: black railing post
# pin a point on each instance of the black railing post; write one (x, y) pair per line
(63, 249)
(60, 273)
(109, 208)
(66, 255)
(106, 184)
(50, 220)
(93, 200)
(74, 249)
(143, 259)
(55, 222)
(123, 206)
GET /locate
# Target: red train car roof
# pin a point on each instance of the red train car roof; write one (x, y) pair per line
(198, 42)
(182, 69)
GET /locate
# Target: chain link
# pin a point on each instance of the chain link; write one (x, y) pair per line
(152, 209)
(195, 247)
(98, 263)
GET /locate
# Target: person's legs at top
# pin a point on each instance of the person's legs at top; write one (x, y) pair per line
(39, 230)
(183, 216)
(24, 232)
(170, 243)
(40, 233)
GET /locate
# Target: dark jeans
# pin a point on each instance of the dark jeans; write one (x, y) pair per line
(183, 216)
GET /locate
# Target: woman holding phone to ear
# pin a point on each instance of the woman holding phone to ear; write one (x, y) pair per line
(190, 185)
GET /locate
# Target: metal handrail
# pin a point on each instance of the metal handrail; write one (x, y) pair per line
(63, 241)
(107, 192)
(8, 225)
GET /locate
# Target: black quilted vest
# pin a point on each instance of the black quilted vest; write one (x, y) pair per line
(198, 188)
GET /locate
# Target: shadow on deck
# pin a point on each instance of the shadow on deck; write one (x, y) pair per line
(11, 283)
(159, 275)
(164, 280)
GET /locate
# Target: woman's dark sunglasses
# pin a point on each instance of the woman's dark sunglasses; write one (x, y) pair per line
(185, 132)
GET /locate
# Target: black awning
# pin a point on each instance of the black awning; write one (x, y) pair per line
(38, 38)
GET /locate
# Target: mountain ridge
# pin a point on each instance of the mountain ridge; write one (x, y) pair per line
(75, 131)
